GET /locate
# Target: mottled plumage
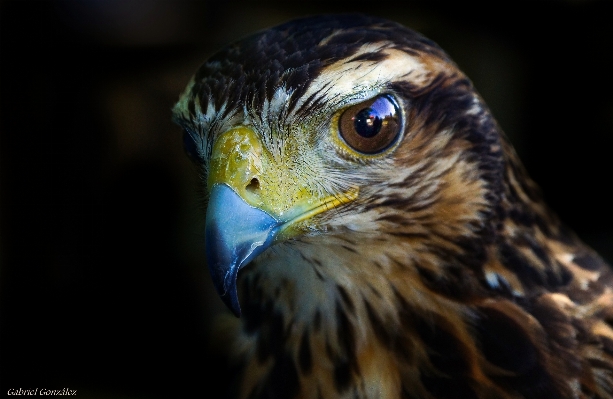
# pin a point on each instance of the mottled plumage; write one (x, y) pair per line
(421, 265)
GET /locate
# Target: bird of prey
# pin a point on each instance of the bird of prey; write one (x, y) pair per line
(375, 231)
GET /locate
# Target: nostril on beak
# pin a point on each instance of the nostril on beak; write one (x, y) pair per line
(253, 186)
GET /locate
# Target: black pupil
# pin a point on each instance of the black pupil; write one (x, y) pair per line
(367, 122)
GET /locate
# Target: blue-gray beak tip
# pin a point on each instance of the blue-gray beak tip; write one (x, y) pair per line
(236, 233)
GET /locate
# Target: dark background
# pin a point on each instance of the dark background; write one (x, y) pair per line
(103, 286)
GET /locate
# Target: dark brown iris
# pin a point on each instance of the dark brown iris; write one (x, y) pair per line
(371, 126)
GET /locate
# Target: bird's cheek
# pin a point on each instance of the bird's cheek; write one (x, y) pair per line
(240, 161)
(277, 185)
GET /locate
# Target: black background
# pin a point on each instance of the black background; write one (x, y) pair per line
(103, 286)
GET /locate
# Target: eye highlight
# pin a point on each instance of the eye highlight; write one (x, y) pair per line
(371, 126)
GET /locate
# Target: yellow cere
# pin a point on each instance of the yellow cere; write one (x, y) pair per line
(236, 160)
(274, 185)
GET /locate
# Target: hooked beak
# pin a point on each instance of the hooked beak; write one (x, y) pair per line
(236, 233)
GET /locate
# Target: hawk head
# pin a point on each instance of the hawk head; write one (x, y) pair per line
(379, 225)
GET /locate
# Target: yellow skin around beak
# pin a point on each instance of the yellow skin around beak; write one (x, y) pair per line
(255, 200)
(240, 161)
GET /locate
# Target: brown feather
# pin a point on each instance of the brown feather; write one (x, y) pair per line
(448, 277)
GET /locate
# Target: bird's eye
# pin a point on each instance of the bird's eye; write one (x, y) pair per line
(372, 126)
(190, 148)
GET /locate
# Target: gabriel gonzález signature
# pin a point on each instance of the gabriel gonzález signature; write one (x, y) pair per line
(42, 392)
